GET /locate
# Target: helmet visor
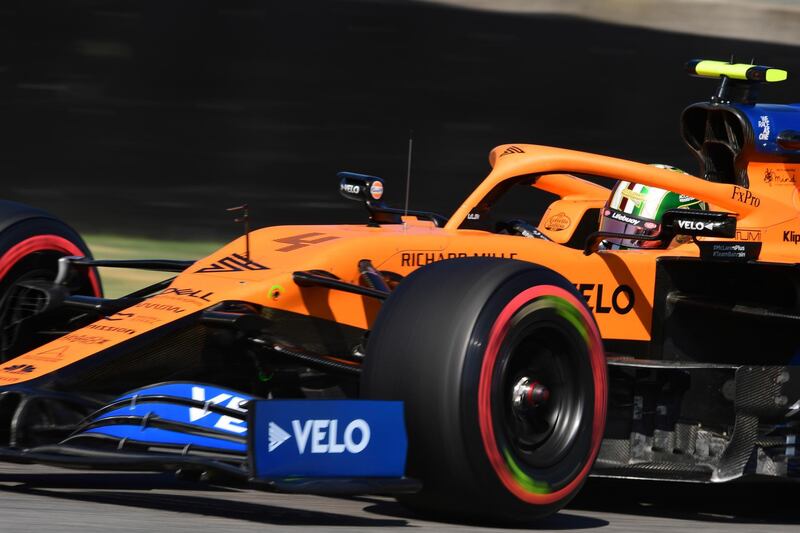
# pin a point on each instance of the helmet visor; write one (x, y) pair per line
(614, 221)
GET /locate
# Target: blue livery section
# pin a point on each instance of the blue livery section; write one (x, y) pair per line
(154, 436)
(175, 414)
(768, 121)
(327, 438)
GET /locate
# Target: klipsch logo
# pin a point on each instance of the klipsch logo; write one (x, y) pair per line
(791, 236)
(233, 263)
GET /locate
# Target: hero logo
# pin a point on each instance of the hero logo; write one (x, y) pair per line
(227, 423)
(324, 436)
(623, 218)
(350, 188)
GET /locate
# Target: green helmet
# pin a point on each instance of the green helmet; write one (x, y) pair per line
(635, 209)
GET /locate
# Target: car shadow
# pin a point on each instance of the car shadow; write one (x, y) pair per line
(136, 490)
(558, 522)
(762, 502)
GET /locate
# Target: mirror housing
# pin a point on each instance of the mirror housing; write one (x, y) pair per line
(360, 187)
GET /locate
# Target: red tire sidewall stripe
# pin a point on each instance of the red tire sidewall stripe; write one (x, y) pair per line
(44, 243)
(598, 362)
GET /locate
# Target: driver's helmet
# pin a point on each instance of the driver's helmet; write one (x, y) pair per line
(635, 209)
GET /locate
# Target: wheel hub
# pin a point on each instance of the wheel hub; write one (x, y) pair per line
(528, 394)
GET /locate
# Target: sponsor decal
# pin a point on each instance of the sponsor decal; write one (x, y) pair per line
(699, 225)
(118, 316)
(512, 150)
(19, 369)
(763, 123)
(112, 329)
(161, 307)
(80, 338)
(683, 198)
(557, 222)
(624, 218)
(225, 422)
(473, 216)
(791, 236)
(277, 436)
(415, 259)
(327, 438)
(636, 197)
(50, 355)
(322, 436)
(748, 235)
(296, 242)
(376, 190)
(779, 177)
(188, 293)
(729, 251)
(350, 188)
(232, 263)
(621, 300)
(134, 317)
(744, 196)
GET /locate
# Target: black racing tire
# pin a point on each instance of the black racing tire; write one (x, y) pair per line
(451, 342)
(31, 242)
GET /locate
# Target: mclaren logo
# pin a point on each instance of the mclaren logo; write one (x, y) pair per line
(277, 436)
(512, 150)
(793, 409)
(233, 263)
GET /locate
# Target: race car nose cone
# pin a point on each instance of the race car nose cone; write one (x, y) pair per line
(528, 394)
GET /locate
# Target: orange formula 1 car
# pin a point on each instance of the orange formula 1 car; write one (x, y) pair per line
(482, 364)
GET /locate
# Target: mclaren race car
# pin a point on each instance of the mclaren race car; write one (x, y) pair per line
(476, 364)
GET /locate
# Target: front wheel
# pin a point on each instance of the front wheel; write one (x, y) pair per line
(502, 373)
(31, 243)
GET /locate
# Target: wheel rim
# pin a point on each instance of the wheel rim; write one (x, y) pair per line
(543, 405)
(532, 479)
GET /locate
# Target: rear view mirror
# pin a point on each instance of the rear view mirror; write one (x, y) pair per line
(360, 187)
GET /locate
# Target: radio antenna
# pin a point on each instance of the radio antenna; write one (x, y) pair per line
(245, 219)
(408, 169)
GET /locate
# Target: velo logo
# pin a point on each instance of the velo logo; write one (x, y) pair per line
(322, 436)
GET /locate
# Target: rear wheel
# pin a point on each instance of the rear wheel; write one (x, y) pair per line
(502, 373)
(29, 252)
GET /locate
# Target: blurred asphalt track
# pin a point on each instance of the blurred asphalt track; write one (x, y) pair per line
(36, 499)
(149, 118)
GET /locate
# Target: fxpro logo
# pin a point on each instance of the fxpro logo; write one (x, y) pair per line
(322, 436)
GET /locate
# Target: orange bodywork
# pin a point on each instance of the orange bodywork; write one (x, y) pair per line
(618, 285)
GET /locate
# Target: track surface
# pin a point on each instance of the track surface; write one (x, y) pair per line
(37, 498)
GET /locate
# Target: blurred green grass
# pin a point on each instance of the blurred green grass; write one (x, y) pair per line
(120, 281)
